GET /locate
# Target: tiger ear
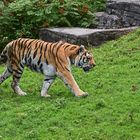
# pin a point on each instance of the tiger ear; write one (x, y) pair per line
(81, 49)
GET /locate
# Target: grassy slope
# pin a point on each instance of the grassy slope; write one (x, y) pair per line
(111, 112)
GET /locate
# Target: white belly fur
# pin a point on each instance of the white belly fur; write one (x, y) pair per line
(49, 69)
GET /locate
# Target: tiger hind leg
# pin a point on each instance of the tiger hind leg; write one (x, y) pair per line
(15, 84)
(46, 85)
(6, 74)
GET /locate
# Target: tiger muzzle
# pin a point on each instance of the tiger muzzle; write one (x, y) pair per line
(87, 68)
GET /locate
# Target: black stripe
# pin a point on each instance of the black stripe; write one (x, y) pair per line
(26, 42)
(49, 50)
(81, 57)
(65, 47)
(84, 59)
(52, 47)
(52, 51)
(27, 55)
(28, 49)
(41, 48)
(4, 52)
(14, 61)
(30, 43)
(39, 60)
(14, 46)
(36, 46)
(46, 61)
(34, 67)
(19, 41)
(67, 69)
(17, 66)
(54, 55)
(21, 65)
(17, 71)
(57, 56)
(16, 43)
(47, 79)
(29, 60)
(61, 64)
(58, 48)
(23, 53)
(72, 48)
(9, 70)
(12, 43)
(25, 59)
(21, 44)
(40, 44)
(19, 47)
(45, 50)
(41, 67)
(29, 52)
(34, 55)
(17, 76)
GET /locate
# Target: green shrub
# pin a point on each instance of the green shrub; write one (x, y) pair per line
(24, 18)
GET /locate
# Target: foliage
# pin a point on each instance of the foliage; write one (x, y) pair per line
(111, 112)
(24, 18)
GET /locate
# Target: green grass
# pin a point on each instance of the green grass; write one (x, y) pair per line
(111, 112)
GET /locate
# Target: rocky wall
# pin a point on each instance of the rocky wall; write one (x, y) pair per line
(120, 14)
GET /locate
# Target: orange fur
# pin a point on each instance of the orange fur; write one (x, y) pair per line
(51, 59)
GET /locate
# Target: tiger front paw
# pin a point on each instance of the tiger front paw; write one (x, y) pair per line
(84, 94)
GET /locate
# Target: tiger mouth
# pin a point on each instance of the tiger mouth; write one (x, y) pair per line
(86, 69)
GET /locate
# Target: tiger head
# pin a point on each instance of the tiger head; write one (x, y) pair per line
(84, 59)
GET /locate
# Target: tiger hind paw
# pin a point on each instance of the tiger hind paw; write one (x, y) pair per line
(22, 93)
(46, 96)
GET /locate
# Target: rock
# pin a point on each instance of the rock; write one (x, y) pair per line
(120, 14)
(108, 21)
(83, 36)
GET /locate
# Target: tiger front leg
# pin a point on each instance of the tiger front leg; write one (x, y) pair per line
(46, 85)
(68, 79)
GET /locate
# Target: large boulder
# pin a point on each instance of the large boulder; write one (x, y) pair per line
(83, 36)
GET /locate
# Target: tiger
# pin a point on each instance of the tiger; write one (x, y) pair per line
(52, 59)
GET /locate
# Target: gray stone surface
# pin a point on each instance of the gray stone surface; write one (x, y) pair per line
(108, 21)
(120, 14)
(128, 1)
(83, 36)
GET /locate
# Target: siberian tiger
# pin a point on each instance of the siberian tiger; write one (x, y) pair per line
(51, 59)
